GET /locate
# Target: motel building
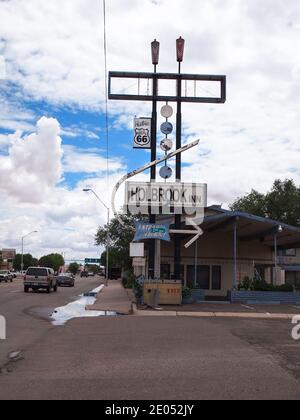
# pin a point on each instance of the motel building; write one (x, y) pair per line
(234, 245)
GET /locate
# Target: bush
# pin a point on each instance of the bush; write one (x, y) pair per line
(138, 290)
(258, 285)
(129, 281)
(186, 293)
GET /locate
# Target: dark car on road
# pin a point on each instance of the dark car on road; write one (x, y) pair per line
(66, 280)
(84, 274)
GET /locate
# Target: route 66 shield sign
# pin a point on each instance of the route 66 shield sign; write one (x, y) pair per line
(142, 133)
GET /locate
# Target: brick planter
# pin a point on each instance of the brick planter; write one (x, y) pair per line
(235, 296)
(198, 295)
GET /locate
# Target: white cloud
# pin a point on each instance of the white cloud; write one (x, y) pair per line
(54, 52)
(33, 165)
(32, 197)
(88, 161)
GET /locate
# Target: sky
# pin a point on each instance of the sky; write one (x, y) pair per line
(52, 106)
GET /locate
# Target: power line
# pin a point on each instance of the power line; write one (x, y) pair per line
(106, 96)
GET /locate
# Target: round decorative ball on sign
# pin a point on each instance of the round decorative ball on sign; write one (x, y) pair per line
(166, 145)
(167, 111)
(165, 172)
(166, 128)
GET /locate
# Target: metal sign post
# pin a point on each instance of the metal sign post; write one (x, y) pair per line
(182, 85)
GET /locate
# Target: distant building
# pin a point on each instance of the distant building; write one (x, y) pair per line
(7, 257)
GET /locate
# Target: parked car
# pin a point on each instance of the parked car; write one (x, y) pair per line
(37, 278)
(91, 274)
(6, 276)
(66, 280)
(19, 274)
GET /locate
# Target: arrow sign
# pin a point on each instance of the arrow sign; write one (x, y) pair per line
(197, 232)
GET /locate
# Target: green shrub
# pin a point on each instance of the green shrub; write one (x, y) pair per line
(246, 284)
(138, 290)
(186, 293)
(258, 285)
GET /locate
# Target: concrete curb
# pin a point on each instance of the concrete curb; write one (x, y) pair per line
(241, 315)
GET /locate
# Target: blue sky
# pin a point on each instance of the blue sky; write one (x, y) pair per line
(54, 77)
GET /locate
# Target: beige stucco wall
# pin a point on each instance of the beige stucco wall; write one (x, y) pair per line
(217, 249)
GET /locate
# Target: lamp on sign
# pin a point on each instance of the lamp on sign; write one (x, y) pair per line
(155, 52)
(180, 43)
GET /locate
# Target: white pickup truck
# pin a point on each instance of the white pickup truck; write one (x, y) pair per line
(37, 278)
(6, 276)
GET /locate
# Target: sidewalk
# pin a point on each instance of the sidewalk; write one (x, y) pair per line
(113, 299)
(211, 310)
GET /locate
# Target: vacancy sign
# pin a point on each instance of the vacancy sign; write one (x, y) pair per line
(142, 133)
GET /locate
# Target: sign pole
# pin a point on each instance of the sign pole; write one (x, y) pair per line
(152, 218)
(177, 248)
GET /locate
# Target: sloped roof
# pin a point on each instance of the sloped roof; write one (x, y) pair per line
(252, 227)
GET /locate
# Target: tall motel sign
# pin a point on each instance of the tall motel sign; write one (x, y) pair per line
(181, 88)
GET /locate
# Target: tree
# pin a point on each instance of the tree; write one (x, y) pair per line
(120, 239)
(74, 268)
(28, 259)
(54, 261)
(253, 203)
(281, 203)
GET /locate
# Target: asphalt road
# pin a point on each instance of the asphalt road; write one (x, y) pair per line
(145, 358)
(26, 313)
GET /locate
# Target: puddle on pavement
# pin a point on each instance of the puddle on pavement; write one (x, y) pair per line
(40, 313)
(76, 309)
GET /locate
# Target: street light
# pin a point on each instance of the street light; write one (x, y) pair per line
(108, 220)
(22, 255)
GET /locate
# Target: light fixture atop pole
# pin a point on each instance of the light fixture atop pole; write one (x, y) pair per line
(87, 190)
(22, 254)
(180, 44)
(155, 46)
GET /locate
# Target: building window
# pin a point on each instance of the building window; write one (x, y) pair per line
(203, 277)
(290, 252)
(216, 277)
(165, 271)
(287, 252)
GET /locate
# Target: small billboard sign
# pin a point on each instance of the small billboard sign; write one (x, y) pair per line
(142, 133)
(152, 231)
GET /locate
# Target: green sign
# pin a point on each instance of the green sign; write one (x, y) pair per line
(92, 261)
